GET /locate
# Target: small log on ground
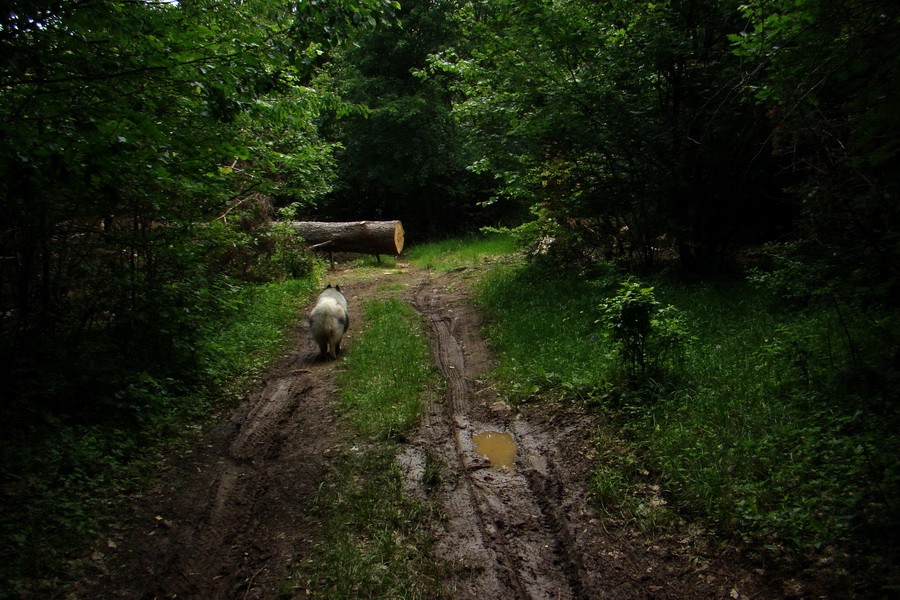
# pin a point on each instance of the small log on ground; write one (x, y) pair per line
(365, 237)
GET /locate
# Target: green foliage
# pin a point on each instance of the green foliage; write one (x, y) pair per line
(143, 149)
(375, 539)
(769, 440)
(645, 334)
(454, 253)
(824, 73)
(622, 486)
(542, 324)
(404, 158)
(235, 348)
(777, 427)
(282, 254)
(387, 371)
(64, 475)
(630, 160)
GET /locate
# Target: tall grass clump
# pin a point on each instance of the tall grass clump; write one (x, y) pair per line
(450, 254)
(543, 326)
(375, 537)
(236, 348)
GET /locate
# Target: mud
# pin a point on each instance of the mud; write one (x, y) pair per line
(229, 515)
(530, 531)
(229, 518)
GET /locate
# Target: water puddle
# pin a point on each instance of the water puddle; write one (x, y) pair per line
(498, 447)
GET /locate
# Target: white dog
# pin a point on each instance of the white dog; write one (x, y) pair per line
(329, 320)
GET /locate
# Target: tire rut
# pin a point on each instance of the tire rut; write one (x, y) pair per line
(233, 514)
(238, 509)
(502, 534)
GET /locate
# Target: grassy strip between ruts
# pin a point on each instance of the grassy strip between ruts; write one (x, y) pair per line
(375, 540)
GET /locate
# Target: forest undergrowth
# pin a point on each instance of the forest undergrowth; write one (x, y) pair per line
(66, 470)
(774, 424)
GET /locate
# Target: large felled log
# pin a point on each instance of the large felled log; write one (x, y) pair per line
(366, 237)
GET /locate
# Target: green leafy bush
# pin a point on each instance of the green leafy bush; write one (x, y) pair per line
(646, 335)
(284, 255)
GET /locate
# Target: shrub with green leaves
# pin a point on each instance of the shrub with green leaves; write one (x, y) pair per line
(646, 335)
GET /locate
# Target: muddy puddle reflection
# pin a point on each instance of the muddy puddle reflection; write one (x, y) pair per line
(498, 447)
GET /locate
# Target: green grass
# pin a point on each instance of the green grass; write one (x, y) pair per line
(771, 430)
(388, 371)
(450, 254)
(239, 347)
(375, 536)
(64, 475)
(371, 261)
(544, 329)
(375, 540)
(761, 437)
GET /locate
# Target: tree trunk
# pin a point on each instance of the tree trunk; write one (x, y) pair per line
(366, 237)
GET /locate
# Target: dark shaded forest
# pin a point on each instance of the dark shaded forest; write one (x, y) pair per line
(151, 153)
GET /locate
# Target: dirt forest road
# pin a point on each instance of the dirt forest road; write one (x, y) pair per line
(229, 517)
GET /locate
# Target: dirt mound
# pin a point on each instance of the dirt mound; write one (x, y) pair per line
(229, 518)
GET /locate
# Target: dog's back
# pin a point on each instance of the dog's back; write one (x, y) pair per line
(329, 320)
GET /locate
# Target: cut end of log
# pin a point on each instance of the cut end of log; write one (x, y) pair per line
(398, 236)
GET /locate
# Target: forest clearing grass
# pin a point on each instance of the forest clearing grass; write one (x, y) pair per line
(544, 329)
(371, 261)
(450, 254)
(65, 471)
(752, 432)
(375, 536)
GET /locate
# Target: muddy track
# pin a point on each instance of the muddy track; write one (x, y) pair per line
(230, 517)
(231, 514)
(501, 523)
(529, 531)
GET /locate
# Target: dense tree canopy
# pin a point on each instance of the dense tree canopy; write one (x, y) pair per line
(405, 158)
(684, 128)
(628, 124)
(145, 143)
(134, 136)
(825, 72)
